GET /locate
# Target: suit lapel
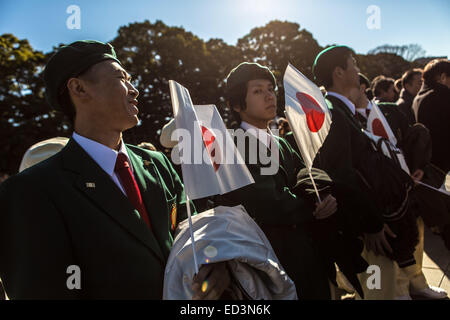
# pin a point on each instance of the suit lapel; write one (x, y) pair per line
(153, 196)
(98, 186)
(337, 103)
(283, 162)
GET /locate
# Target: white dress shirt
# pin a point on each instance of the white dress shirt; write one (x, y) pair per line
(263, 135)
(104, 156)
(363, 112)
(344, 99)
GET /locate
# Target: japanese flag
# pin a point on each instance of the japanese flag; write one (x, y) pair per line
(379, 127)
(307, 113)
(210, 161)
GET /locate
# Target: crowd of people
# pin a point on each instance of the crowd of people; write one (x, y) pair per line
(112, 209)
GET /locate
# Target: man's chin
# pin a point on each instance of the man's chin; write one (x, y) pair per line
(271, 115)
(133, 121)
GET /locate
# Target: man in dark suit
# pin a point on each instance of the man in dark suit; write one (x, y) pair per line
(432, 108)
(96, 220)
(411, 83)
(344, 151)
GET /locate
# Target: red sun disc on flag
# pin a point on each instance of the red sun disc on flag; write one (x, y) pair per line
(378, 129)
(208, 140)
(314, 113)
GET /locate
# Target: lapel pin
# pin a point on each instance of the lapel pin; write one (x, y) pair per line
(146, 163)
(173, 216)
(90, 185)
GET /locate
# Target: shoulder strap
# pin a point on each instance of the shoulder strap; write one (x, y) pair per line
(393, 155)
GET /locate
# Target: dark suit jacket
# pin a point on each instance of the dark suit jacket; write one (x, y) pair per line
(432, 108)
(405, 228)
(67, 211)
(404, 104)
(340, 156)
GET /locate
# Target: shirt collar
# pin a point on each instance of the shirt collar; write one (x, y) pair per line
(344, 99)
(363, 112)
(103, 155)
(261, 134)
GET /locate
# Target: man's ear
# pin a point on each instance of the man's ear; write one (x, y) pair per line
(442, 78)
(338, 72)
(236, 108)
(77, 88)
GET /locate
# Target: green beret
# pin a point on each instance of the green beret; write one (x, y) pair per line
(70, 61)
(326, 60)
(245, 72)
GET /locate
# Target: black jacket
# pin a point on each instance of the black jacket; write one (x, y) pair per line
(415, 142)
(340, 155)
(432, 108)
(382, 198)
(404, 104)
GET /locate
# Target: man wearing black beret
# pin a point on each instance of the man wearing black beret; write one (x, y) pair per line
(96, 220)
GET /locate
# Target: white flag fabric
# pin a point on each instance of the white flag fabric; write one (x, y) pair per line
(446, 185)
(227, 234)
(210, 162)
(307, 113)
(379, 127)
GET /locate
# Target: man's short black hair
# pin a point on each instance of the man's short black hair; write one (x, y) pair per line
(408, 76)
(237, 84)
(434, 69)
(328, 60)
(381, 83)
(364, 80)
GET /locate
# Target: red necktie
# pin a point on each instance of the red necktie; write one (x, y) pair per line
(123, 170)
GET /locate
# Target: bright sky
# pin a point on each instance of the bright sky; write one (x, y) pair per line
(426, 23)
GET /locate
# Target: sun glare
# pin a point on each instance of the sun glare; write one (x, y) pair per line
(258, 6)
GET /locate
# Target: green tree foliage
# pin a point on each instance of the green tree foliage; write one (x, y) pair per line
(388, 64)
(25, 117)
(277, 44)
(155, 53)
(408, 52)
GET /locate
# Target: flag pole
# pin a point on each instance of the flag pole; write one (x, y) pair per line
(192, 233)
(314, 185)
(433, 188)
